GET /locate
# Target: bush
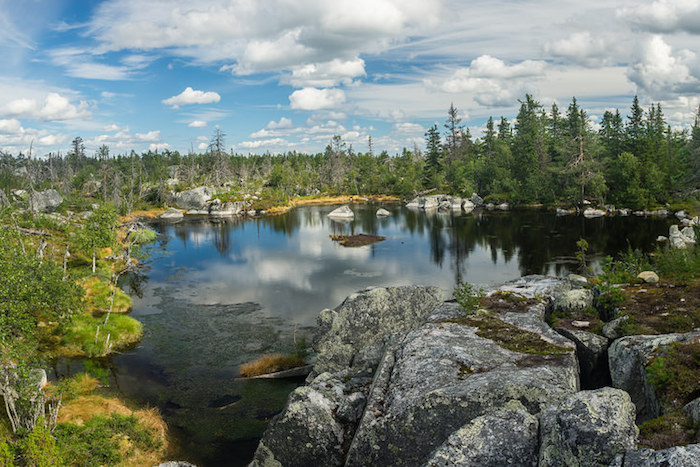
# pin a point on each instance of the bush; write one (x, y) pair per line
(468, 296)
(39, 449)
(680, 264)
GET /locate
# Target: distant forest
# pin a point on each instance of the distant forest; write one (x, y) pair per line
(544, 156)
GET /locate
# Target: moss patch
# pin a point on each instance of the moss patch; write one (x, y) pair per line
(504, 301)
(662, 308)
(509, 336)
(82, 338)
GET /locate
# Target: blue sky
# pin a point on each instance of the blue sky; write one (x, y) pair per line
(285, 75)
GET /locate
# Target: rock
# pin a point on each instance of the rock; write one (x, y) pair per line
(468, 206)
(628, 357)
(678, 456)
(689, 235)
(535, 285)
(592, 353)
(661, 238)
(505, 437)
(251, 213)
(231, 208)
(681, 214)
(577, 279)
(650, 277)
(477, 200)
(623, 212)
(676, 238)
(172, 213)
(503, 207)
(610, 330)
(176, 464)
(19, 195)
(580, 324)
(692, 410)
(565, 212)
(444, 206)
(381, 212)
(44, 201)
(590, 212)
(195, 199)
(430, 202)
(343, 212)
(315, 424)
(573, 301)
(413, 204)
(441, 378)
(588, 428)
(366, 317)
(456, 203)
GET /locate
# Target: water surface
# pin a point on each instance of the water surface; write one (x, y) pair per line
(214, 295)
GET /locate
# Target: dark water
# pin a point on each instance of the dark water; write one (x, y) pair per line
(214, 295)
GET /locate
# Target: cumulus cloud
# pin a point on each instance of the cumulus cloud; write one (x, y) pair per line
(584, 48)
(316, 99)
(408, 128)
(151, 136)
(197, 124)
(257, 144)
(326, 74)
(10, 126)
(191, 96)
(284, 123)
(54, 108)
(659, 72)
(665, 16)
(158, 146)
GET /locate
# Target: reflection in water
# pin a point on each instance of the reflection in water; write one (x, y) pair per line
(216, 294)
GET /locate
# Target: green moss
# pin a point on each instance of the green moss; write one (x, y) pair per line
(668, 430)
(509, 336)
(674, 372)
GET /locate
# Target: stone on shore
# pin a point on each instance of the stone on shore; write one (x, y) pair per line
(343, 212)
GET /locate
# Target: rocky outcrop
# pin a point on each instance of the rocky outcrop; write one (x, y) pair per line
(44, 201)
(681, 238)
(679, 456)
(443, 203)
(195, 199)
(172, 214)
(573, 301)
(359, 326)
(592, 352)
(591, 212)
(588, 428)
(508, 436)
(381, 212)
(628, 357)
(231, 208)
(342, 213)
(692, 410)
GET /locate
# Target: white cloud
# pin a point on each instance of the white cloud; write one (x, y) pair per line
(257, 144)
(191, 96)
(316, 99)
(660, 73)
(284, 123)
(586, 48)
(197, 124)
(158, 147)
(54, 108)
(79, 63)
(151, 136)
(10, 126)
(665, 16)
(112, 127)
(408, 128)
(326, 74)
(202, 146)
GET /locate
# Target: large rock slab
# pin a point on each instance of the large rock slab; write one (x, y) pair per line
(365, 318)
(628, 358)
(444, 376)
(573, 302)
(195, 199)
(508, 436)
(44, 201)
(592, 353)
(343, 212)
(678, 456)
(588, 428)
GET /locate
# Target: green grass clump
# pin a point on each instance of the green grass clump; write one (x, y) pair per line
(679, 264)
(98, 296)
(141, 236)
(468, 296)
(104, 440)
(81, 336)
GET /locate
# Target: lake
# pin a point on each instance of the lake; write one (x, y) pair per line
(215, 294)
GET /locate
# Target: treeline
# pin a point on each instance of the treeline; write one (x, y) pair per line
(543, 156)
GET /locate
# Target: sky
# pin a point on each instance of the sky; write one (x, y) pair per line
(288, 75)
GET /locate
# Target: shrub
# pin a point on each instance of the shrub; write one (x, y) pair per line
(39, 449)
(468, 296)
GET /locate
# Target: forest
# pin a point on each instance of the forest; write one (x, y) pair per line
(543, 156)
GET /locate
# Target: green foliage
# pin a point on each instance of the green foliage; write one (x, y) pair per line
(607, 300)
(7, 456)
(679, 264)
(468, 296)
(582, 246)
(38, 448)
(141, 236)
(81, 336)
(98, 441)
(675, 373)
(625, 269)
(31, 290)
(99, 231)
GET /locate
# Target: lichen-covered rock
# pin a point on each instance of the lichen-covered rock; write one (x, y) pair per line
(44, 201)
(444, 376)
(536, 286)
(172, 213)
(343, 212)
(316, 426)
(477, 200)
(678, 456)
(628, 358)
(507, 436)
(588, 428)
(611, 329)
(591, 212)
(195, 199)
(573, 301)
(366, 317)
(650, 277)
(231, 208)
(692, 410)
(592, 353)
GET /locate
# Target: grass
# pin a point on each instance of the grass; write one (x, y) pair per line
(82, 338)
(668, 430)
(271, 363)
(357, 240)
(674, 372)
(661, 308)
(98, 294)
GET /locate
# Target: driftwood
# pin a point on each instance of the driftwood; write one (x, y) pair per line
(28, 231)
